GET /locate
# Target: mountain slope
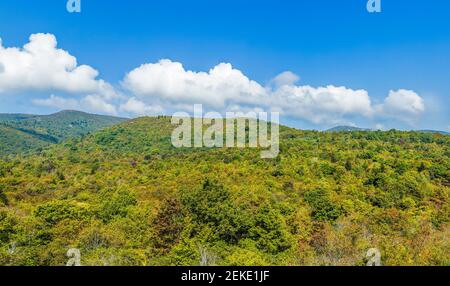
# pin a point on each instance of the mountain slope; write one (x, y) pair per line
(14, 141)
(124, 196)
(61, 125)
(352, 128)
(41, 130)
(434, 131)
(346, 129)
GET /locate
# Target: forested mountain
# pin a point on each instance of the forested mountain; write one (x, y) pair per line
(125, 196)
(15, 141)
(23, 133)
(435, 131)
(346, 129)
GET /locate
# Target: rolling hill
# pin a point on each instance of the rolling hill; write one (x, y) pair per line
(346, 129)
(23, 133)
(124, 196)
(15, 141)
(435, 131)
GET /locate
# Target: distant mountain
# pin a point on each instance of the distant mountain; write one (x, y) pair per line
(346, 129)
(21, 133)
(352, 128)
(434, 131)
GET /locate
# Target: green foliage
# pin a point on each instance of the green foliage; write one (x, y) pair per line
(323, 209)
(168, 224)
(115, 205)
(211, 206)
(125, 196)
(22, 134)
(246, 257)
(269, 231)
(7, 225)
(15, 141)
(54, 212)
(3, 197)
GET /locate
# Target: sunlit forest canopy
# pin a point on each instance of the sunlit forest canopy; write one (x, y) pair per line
(125, 196)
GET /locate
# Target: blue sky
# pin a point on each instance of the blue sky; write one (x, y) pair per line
(324, 42)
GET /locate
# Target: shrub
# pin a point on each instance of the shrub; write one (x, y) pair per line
(116, 205)
(54, 212)
(323, 209)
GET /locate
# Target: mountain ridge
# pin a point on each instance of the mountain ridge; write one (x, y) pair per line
(126, 193)
(39, 131)
(347, 128)
(25, 133)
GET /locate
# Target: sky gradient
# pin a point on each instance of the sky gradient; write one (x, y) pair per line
(403, 49)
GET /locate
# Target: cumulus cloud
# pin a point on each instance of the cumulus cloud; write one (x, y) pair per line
(170, 85)
(285, 78)
(225, 87)
(402, 104)
(97, 103)
(40, 65)
(322, 104)
(166, 86)
(91, 103)
(137, 107)
(404, 101)
(57, 102)
(380, 127)
(169, 81)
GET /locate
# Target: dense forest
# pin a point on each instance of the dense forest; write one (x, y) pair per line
(124, 196)
(25, 133)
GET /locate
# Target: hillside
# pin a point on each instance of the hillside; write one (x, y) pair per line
(435, 131)
(15, 141)
(125, 196)
(21, 133)
(346, 129)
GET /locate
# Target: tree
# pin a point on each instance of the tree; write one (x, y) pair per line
(168, 224)
(270, 231)
(212, 206)
(3, 197)
(116, 205)
(323, 209)
(54, 212)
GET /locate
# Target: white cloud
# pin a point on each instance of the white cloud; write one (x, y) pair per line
(405, 105)
(285, 78)
(167, 86)
(223, 87)
(380, 127)
(95, 103)
(90, 103)
(40, 65)
(169, 81)
(137, 107)
(323, 104)
(58, 102)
